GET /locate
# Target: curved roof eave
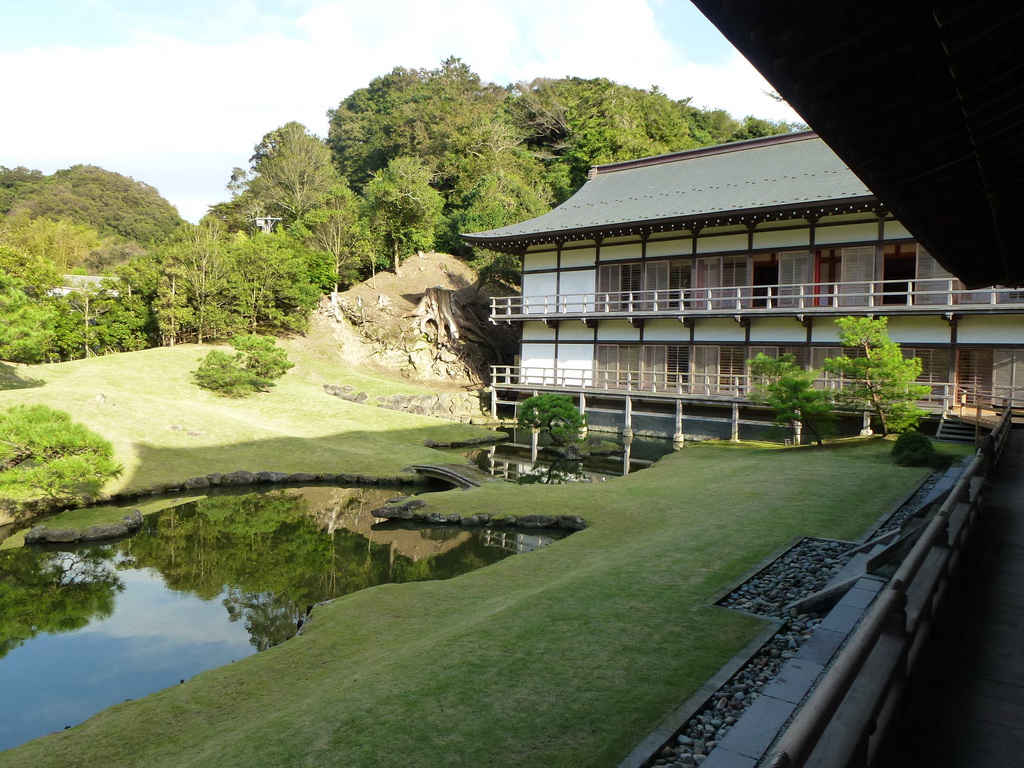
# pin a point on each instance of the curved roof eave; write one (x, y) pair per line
(520, 242)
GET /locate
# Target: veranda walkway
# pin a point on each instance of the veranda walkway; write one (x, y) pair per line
(966, 702)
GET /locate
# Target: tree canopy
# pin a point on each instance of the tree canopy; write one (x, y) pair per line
(881, 379)
(789, 390)
(44, 453)
(108, 202)
(411, 161)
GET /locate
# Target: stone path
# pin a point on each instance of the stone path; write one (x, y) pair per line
(965, 706)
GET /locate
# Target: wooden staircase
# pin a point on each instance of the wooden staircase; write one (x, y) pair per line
(953, 429)
(968, 425)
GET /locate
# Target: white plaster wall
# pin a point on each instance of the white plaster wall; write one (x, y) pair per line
(542, 284)
(584, 281)
(847, 233)
(617, 330)
(896, 231)
(615, 252)
(722, 243)
(661, 248)
(666, 330)
(584, 257)
(794, 238)
(718, 329)
(919, 330)
(573, 358)
(574, 330)
(824, 331)
(849, 217)
(620, 239)
(537, 361)
(778, 330)
(540, 260)
(991, 329)
(537, 331)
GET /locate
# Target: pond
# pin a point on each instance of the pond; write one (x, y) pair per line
(518, 460)
(204, 583)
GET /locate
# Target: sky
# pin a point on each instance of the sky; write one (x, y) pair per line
(176, 93)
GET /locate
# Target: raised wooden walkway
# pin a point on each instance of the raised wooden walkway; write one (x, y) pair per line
(965, 704)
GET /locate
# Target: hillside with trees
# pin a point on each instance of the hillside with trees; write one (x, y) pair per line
(410, 161)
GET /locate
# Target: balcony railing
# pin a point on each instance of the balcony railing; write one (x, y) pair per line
(891, 295)
(944, 396)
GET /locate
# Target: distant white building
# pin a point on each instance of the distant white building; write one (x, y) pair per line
(78, 283)
(645, 293)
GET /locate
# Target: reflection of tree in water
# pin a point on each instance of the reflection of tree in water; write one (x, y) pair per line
(268, 618)
(53, 591)
(555, 473)
(274, 559)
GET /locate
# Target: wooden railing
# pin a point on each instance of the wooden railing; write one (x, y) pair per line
(943, 397)
(891, 295)
(971, 405)
(845, 718)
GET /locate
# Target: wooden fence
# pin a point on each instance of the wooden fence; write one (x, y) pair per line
(845, 718)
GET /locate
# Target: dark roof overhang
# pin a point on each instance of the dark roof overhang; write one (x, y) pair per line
(923, 100)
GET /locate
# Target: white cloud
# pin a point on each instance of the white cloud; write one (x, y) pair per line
(180, 114)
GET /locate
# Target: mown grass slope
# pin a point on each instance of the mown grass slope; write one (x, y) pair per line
(166, 429)
(565, 656)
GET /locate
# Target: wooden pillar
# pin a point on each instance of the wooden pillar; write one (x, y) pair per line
(583, 410)
(627, 444)
(735, 437)
(865, 429)
(627, 430)
(678, 438)
(494, 403)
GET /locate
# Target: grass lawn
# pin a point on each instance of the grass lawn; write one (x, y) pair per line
(567, 656)
(165, 429)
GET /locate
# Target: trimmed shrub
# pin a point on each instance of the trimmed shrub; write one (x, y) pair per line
(257, 363)
(912, 449)
(555, 413)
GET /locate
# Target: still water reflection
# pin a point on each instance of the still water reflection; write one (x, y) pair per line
(202, 584)
(520, 459)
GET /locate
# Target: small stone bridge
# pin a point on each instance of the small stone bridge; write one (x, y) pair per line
(461, 475)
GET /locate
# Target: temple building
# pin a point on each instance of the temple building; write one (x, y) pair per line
(646, 293)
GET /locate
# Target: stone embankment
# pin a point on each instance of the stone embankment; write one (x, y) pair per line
(40, 534)
(458, 406)
(410, 510)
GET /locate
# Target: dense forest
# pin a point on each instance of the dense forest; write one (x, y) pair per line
(409, 162)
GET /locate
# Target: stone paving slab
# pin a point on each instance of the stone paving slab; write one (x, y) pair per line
(821, 646)
(858, 598)
(842, 618)
(721, 757)
(757, 729)
(794, 681)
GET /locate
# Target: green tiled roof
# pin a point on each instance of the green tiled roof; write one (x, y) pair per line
(778, 172)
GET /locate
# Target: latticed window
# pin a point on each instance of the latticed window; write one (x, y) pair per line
(934, 366)
(616, 283)
(799, 353)
(618, 365)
